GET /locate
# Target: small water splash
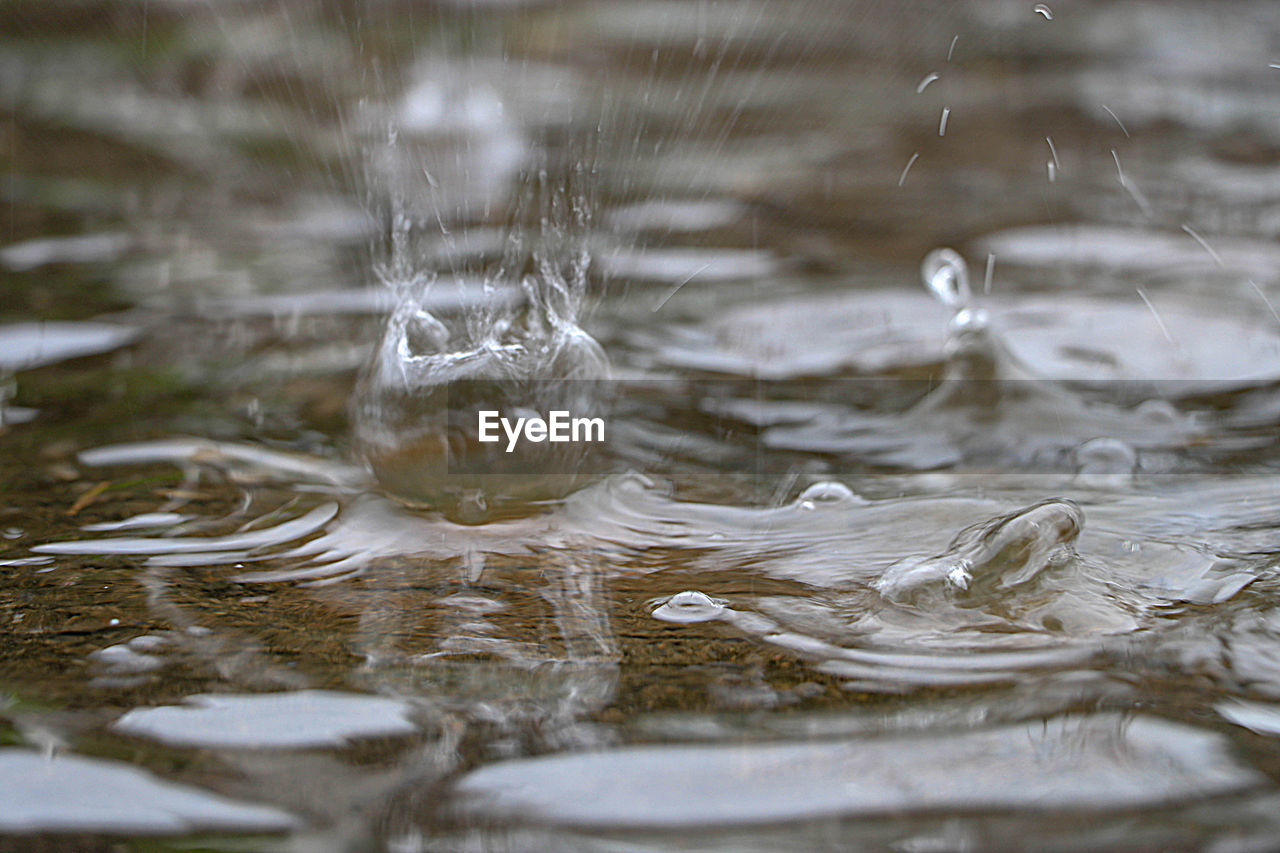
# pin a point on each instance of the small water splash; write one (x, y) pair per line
(1001, 553)
(990, 407)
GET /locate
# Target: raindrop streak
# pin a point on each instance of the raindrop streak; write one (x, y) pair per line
(1203, 244)
(903, 177)
(1119, 171)
(942, 122)
(1042, 9)
(672, 292)
(1163, 329)
(991, 268)
(928, 78)
(952, 49)
(1265, 300)
(1054, 151)
(1111, 113)
(1133, 191)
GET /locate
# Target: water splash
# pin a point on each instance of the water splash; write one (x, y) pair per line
(946, 276)
(415, 406)
(990, 407)
(1004, 552)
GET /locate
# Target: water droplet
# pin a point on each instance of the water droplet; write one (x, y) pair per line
(1042, 9)
(902, 179)
(688, 607)
(947, 277)
(924, 84)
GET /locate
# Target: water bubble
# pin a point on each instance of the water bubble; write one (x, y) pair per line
(1042, 9)
(1158, 412)
(947, 277)
(827, 492)
(690, 606)
(1105, 456)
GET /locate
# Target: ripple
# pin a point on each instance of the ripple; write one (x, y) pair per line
(1099, 763)
(69, 793)
(24, 346)
(1124, 249)
(303, 719)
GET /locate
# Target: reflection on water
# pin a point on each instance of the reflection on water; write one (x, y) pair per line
(982, 564)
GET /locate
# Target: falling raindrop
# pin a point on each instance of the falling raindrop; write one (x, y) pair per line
(907, 168)
(1042, 9)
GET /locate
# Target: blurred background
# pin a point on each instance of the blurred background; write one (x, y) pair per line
(210, 210)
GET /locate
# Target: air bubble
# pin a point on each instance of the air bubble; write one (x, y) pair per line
(1158, 412)
(828, 492)
(1105, 456)
(690, 606)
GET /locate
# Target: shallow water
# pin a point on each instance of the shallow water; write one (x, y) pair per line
(978, 556)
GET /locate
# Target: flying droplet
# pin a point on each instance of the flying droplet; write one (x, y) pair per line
(902, 179)
(1042, 9)
(942, 122)
(947, 277)
(924, 84)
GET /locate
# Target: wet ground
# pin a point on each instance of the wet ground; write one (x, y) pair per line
(887, 548)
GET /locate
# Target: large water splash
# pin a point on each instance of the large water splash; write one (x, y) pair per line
(520, 349)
